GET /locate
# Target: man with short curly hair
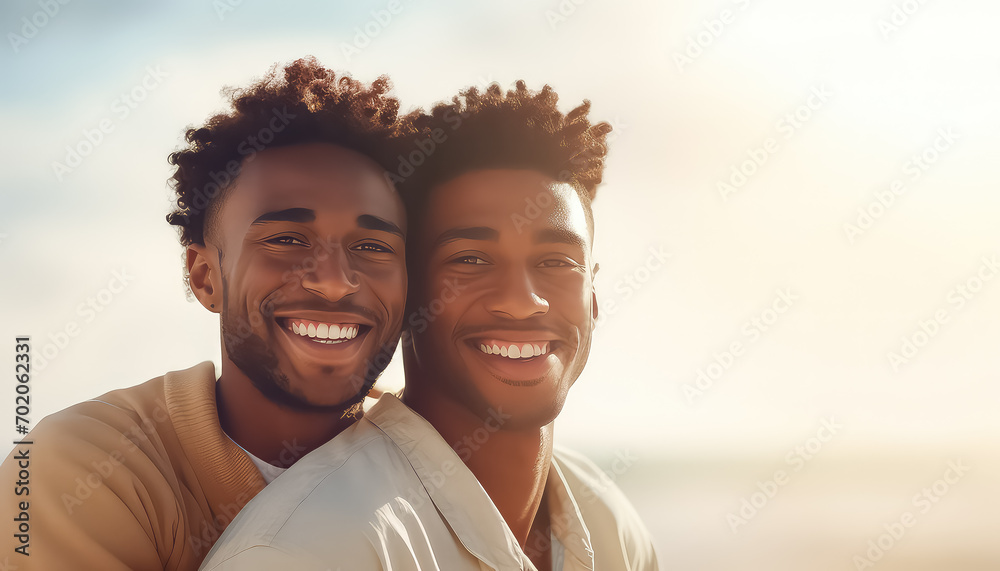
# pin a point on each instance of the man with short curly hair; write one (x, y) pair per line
(501, 309)
(295, 236)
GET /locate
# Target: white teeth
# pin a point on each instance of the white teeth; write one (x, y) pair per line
(514, 351)
(326, 331)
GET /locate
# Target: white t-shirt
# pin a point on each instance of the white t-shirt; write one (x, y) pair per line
(267, 470)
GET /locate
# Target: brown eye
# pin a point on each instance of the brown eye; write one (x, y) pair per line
(286, 241)
(558, 263)
(373, 247)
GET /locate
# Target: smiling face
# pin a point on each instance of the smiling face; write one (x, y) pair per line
(503, 307)
(310, 243)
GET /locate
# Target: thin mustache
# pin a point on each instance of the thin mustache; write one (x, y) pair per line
(521, 328)
(339, 307)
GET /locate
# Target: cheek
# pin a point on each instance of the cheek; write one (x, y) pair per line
(271, 272)
(442, 304)
(389, 284)
(260, 281)
(571, 295)
(454, 294)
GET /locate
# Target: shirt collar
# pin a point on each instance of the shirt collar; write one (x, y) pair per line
(267, 470)
(464, 503)
(228, 475)
(567, 521)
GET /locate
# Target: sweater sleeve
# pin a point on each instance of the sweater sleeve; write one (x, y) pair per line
(95, 495)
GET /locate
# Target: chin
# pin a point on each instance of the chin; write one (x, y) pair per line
(522, 407)
(532, 417)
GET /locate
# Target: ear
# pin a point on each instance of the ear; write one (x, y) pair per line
(593, 312)
(204, 276)
(593, 300)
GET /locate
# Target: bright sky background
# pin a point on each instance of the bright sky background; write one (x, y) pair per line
(694, 90)
(681, 127)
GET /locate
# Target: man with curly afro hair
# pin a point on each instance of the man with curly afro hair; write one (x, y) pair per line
(500, 312)
(294, 235)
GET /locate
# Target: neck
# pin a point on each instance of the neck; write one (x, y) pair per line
(511, 465)
(272, 432)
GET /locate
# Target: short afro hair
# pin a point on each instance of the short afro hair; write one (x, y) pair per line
(519, 129)
(302, 102)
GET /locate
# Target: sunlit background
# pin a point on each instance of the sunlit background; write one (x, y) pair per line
(798, 238)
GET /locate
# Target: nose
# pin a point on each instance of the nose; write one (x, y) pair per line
(515, 297)
(331, 277)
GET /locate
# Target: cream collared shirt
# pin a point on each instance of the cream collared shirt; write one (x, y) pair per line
(390, 493)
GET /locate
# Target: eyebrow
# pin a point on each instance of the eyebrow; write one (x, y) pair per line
(468, 233)
(366, 221)
(369, 222)
(287, 215)
(560, 236)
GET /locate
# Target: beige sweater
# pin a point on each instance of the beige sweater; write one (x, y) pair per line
(138, 479)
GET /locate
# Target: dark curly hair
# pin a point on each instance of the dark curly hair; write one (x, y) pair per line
(520, 129)
(302, 102)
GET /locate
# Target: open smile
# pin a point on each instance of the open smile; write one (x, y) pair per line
(514, 350)
(324, 332)
(517, 358)
(334, 342)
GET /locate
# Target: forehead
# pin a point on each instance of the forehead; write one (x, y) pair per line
(322, 177)
(509, 201)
